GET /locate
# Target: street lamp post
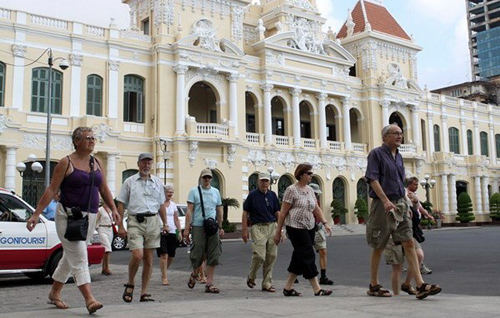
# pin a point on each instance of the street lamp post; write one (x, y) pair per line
(427, 184)
(166, 157)
(63, 65)
(36, 168)
(274, 176)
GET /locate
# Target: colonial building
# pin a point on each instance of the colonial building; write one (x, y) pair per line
(239, 88)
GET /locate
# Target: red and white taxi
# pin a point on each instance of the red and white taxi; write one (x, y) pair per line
(34, 253)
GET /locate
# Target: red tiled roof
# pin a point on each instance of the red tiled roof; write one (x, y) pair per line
(380, 20)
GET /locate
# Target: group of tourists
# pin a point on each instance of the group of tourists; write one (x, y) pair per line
(153, 224)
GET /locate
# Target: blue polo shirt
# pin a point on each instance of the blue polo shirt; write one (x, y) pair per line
(261, 206)
(388, 170)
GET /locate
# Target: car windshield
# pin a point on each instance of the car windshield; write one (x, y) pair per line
(181, 210)
(13, 210)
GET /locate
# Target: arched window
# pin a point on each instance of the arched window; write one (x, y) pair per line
(133, 100)
(252, 181)
(283, 183)
(470, 147)
(94, 95)
(2, 84)
(437, 138)
(483, 137)
(128, 173)
(454, 140)
(40, 90)
(497, 142)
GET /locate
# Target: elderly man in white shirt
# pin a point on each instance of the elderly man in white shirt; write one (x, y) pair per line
(143, 196)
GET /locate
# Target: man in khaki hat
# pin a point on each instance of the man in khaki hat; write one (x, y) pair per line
(143, 196)
(262, 207)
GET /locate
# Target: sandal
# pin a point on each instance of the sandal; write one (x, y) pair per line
(93, 307)
(270, 289)
(128, 296)
(146, 297)
(250, 282)
(378, 291)
(291, 292)
(427, 290)
(106, 272)
(323, 292)
(192, 281)
(211, 289)
(57, 302)
(165, 282)
(408, 289)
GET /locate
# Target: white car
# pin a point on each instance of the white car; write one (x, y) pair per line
(120, 243)
(36, 253)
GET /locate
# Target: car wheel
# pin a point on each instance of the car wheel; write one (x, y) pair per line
(37, 276)
(119, 243)
(54, 262)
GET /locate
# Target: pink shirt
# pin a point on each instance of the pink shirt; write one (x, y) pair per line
(303, 203)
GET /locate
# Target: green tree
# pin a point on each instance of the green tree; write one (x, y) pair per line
(226, 203)
(361, 208)
(464, 208)
(495, 207)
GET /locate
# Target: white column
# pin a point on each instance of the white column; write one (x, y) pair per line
(385, 112)
(180, 101)
(76, 71)
(453, 194)
(111, 173)
(10, 168)
(463, 132)
(322, 120)
(268, 127)
(347, 124)
(446, 140)
(430, 133)
(233, 102)
(495, 185)
(492, 150)
(113, 67)
(477, 191)
(445, 190)
(296, 116)
(19, 52)
(486, 198)
(477, 141)
(415, 125)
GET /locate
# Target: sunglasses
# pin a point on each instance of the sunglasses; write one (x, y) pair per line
(206, 177)
(90, 138)
(310, 173)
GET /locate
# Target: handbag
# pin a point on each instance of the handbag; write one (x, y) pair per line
(78, 225)
(418, 234)
(210, 225)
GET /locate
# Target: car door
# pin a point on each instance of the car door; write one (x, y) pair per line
(20, 248)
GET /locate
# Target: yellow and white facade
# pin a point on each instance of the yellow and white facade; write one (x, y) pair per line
(238, 88)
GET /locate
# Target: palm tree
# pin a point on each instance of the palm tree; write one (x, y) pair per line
(226, 203)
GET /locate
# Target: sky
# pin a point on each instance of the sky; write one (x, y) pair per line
(438, 26)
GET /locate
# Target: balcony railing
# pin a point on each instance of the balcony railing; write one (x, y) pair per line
(335, 145)
(358, 147)
(253, 138)
(309, 143)
(212, 129)
(408, 149)
(281, 140)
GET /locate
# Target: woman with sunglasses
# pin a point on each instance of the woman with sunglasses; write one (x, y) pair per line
(298, 212)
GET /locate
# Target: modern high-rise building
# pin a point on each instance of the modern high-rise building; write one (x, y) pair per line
(483, 18)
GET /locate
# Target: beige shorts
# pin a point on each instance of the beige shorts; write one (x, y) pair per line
(393, 253)
(145, 234)
(378, 231)
(320, 238)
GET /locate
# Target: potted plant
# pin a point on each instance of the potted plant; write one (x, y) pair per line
(495, 207)
(226, 203)
(337, 209)
(464, 208)
(361, 210)
(438, 216)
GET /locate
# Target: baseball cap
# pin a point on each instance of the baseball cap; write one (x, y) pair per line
(315, 188)
(145, 155)
(206, 172)
(264, 176)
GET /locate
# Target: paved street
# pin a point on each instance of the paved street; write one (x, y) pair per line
(465, 262)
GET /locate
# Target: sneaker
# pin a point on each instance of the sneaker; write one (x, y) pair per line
(408, 289)
(325, 281)
(424, 270)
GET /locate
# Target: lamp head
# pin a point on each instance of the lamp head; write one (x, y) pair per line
(63, 65)
(32, 158)
(36, 167)
(270, 169)
(21, 167)
(432, 182)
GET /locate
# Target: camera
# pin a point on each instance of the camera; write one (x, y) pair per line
(140, 218)
(63, 65)
(76, 212)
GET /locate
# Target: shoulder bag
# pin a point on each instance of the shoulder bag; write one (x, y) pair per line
(78, 224)
(210, 225)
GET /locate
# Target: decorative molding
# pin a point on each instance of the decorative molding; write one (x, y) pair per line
(113, 65)
(19, 50)
(256, 158)
(275, 58)
(76, 59)
(250, 36)
(237, 13)
(135, 35)
(4, 121)
(193, 152)
(163, 12)
(307, 35)
(231, 154)
(207, 35)
(303, 4)
(38, 141)
(211, 163)
(102, 131)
